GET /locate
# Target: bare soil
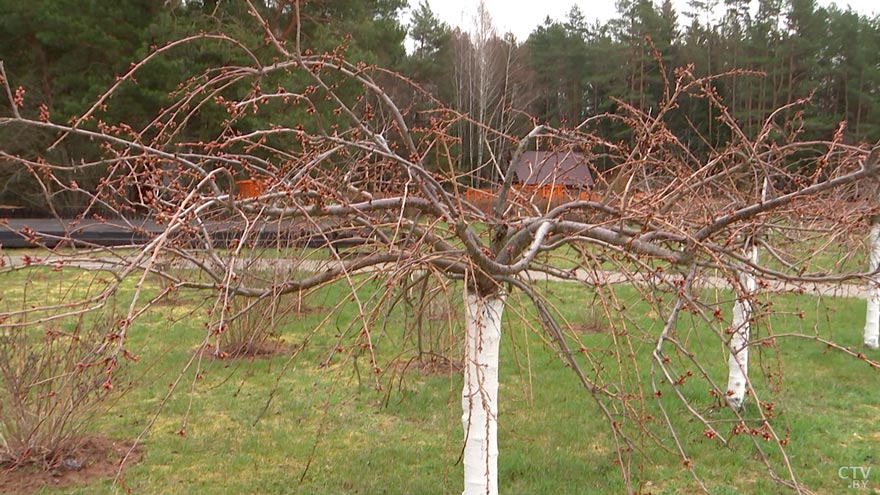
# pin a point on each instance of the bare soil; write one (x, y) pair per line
(590, 327)
(267, 348)
(308, 309)
(98, 458)
(264, 349)
(430, 364)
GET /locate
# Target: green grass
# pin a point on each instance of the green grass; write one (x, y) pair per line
(330, 426)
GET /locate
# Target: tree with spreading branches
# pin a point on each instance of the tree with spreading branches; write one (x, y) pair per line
(356, 174)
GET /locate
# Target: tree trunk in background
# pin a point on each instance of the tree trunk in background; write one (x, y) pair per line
(872, 319)
(738, 362)
(479, 397)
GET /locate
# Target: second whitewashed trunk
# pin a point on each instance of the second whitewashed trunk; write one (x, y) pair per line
(738, 362)
(479, 398)
(872, 318)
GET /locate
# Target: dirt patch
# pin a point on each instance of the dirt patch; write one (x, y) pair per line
(590, 327)
(261, 349)
(266, 348)
(97, 458)
(430, 364)
(175, 302)
(306, 309)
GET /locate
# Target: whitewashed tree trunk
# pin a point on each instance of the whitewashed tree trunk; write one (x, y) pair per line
(738, 362)
(872, 319)
(479, 397)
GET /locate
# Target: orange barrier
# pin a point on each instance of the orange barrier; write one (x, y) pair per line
(252, 188)
(472, 195)
(552, 192)
(547, 192)
(249, 188)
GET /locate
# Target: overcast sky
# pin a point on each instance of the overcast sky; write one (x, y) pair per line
(522, 16)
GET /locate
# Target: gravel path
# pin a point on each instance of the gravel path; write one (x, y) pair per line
(597, 277)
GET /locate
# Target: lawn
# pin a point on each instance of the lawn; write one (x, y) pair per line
(296, 423)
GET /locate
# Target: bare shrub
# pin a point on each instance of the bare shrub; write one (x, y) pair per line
(51, 385)
(255, 329)
(251, 326)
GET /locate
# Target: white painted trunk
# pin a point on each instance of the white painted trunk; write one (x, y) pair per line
(872, 319)
(479, 397)
(738, 362)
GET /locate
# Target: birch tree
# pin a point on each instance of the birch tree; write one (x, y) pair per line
(491, 89)
(318, 178)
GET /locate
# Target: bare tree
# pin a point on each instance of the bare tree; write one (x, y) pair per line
(665, 221)
(489, 90)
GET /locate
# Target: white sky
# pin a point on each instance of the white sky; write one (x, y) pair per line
(522, 16)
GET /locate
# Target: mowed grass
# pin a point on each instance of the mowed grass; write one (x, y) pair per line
(295, 423)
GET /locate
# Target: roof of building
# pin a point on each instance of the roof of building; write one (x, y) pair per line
(536, 168)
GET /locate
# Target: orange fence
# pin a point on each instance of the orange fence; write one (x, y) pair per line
(547, 192)
(252, 188)
(474, 195)
(249, 188)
